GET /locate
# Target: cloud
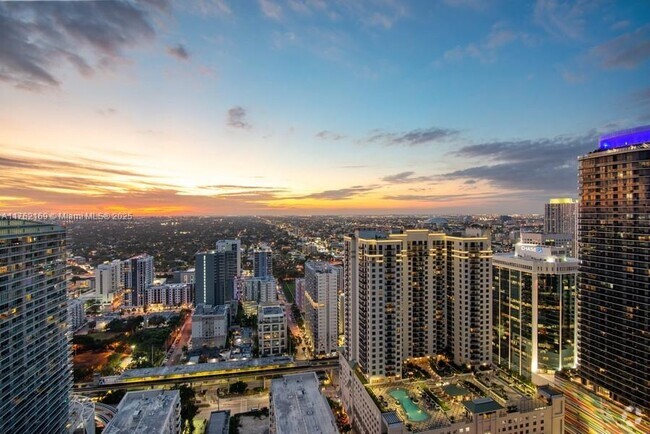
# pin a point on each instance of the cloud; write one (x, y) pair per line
(329, 135)
(380, 20)
(39, 39)
(83, 185)
(562, 18)
(108, 111)
(271, 10)
(620, 25)
(211, 7)
(179, 52)
(626, 51)
(642, 96)
(472, 4)
(411, 138)
(233, 186)
(340, 194)
(443, 197)
(405, 178)
(486, 50)
(537, 165)
(572, 77)
(237, 118)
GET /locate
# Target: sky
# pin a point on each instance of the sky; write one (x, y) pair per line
(224, 107)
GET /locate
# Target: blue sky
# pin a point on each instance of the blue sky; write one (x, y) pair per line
(224, 107)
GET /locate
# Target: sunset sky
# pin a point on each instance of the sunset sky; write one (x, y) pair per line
(218, 107)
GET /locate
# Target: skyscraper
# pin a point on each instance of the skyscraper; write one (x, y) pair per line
(35, 357)
(138, 273)
(561, 217)
(263, 262)
(415, 294)
(614, 279)
(534, 310)
(215, 273)
(321, 306)
(469, 281)
(109, 280)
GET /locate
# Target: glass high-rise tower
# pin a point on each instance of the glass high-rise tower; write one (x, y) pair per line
(614, 279)
(35, 357)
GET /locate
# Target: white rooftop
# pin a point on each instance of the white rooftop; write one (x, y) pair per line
(298, 406)
(146, 412)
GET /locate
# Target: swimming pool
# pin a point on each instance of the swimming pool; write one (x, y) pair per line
(412, 410)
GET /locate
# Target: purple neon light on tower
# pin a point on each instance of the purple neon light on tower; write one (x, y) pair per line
(620, 139)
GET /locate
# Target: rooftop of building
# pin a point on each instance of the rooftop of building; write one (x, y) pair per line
(530, 253)
(207, 309)
(319, 266)
(440, 402)
(271, 310)
(13, 227)
(561, 200)
(218, 422)
(141, 256)
(482, 405)
(299, 407)
(624, 138)
(143, 412)
(549, 391)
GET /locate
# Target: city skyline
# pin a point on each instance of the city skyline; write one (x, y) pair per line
(310, 107)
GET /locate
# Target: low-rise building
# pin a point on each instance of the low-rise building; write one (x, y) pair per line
(210, 325)
(298, 407)
(147, 412)
(271, 330)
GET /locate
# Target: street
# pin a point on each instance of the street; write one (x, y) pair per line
(182, 339)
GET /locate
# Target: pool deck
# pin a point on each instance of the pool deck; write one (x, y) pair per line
(453, 394)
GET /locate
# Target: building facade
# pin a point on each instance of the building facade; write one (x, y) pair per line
(138, 273)
(210, 326)
(263, 262)
(415, 294)
(109, 281)
(300, 293)
(258, 289)
(271, 330)
(563, 244)
(76, 314)
(469, 292)
(560, 216)
(35, 354)
(321, 301)
(169, 294)
(215, 273)
(534, 311)
(614, 279)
